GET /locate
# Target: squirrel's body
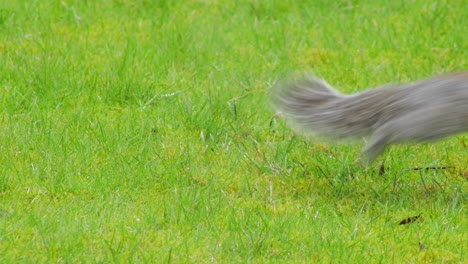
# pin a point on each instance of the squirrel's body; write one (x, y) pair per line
(422, 111)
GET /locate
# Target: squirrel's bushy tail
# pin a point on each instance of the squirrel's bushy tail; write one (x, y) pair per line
(312, 106)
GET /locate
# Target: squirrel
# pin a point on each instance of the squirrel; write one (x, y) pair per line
(421, 111)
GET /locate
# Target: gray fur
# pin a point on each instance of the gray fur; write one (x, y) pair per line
(422, 111)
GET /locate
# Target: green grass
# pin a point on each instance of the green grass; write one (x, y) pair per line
(140, 131)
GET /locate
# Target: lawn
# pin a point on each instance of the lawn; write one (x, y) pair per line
(141, 132)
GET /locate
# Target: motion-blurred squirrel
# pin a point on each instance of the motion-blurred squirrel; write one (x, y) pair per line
(421, 111)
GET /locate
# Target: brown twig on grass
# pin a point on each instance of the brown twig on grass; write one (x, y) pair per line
(420, 169)
(430, 168)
